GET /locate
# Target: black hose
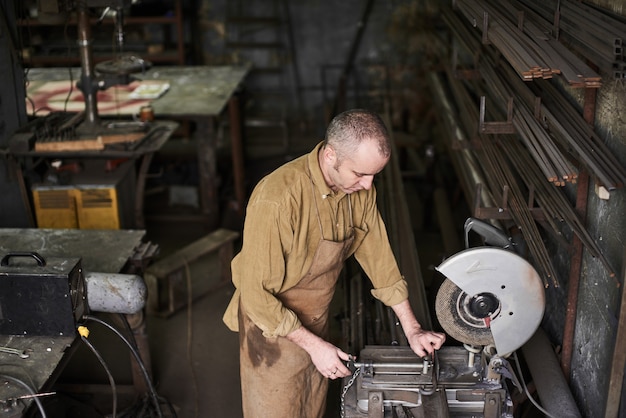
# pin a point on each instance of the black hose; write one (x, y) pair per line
(135, 353)
(108, 372)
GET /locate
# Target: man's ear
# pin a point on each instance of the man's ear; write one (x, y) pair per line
(329, 155)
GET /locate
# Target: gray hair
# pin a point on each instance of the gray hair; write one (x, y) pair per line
(351, 128)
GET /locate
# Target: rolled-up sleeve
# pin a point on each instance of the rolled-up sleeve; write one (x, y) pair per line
(259, 269)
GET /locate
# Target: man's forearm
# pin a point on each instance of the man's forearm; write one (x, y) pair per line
(304, 339)
(407, 319)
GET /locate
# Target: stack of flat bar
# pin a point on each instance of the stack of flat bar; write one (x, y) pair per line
(548, 124)
(554, 203)
(594, 34)
(513, 162)
(554, 164)
(557, 122)
(571, 67)
(531, 171)
(526, 47)
(570, 129)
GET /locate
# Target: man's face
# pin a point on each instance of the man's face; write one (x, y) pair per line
(355, 172)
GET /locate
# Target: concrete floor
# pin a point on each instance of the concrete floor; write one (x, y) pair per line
(195, 359)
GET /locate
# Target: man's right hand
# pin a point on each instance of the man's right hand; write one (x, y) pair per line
(328, 359)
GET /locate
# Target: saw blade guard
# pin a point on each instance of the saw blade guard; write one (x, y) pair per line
(491, 296)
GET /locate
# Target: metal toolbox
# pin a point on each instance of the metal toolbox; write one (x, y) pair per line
(40, 296)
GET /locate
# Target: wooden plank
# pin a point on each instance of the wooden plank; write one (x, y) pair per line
(89, 144)
(120, 138)
(170, 281)
(193, 251)
(77, 145)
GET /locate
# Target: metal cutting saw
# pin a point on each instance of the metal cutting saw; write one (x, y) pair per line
(492, 302)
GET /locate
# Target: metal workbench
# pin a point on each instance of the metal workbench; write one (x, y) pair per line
(105, 251)
(197, 93)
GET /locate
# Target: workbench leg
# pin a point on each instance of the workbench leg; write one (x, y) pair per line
(140, 333)
(207, 170)
(236, 140)
(16, 168)
(140, 189)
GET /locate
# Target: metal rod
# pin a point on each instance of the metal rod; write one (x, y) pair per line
(87, 69)
(391, 365)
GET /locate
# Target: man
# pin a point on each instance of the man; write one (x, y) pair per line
(302, 222)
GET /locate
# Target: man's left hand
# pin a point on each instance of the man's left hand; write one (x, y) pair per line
(421, 342)
(424, 343)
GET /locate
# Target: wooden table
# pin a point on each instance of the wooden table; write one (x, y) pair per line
(197, 93)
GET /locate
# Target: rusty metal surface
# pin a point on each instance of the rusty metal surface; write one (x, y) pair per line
(196, 91)
(105, 251)
(44, 354)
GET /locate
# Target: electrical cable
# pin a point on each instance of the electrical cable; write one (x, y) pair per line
(131, 337)
(521, 378)
(135, 353)
(30, 392)
(108, 372)
(169, 406)
(129, 330)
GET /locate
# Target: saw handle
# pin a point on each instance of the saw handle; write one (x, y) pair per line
(492, 235)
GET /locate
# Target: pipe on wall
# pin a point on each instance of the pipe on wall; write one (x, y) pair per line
(554, 393)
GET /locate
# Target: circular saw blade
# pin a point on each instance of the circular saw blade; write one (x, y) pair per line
(490, 291)
(453, 315)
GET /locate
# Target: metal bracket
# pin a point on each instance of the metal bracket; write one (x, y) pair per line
(375, 407)
(502, 212)
(367, 370)
(462, 74)
(492, 405)
(496, 127)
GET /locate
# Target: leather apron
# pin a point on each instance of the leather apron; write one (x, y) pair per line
(278, 378)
